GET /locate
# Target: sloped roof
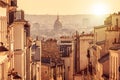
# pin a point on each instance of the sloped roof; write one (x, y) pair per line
(100, 42)
(104, 58)
(3, 4)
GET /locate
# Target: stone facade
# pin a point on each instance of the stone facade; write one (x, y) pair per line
(51, 61)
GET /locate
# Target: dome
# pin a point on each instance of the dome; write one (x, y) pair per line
(57, 24)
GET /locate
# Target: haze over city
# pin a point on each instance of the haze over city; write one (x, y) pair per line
(59, 40)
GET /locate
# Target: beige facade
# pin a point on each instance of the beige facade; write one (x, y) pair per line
(67, 48)
(19, 35)
(71, 73)
(22, 50)
(112, 37)
(84, 45)
(110, 65)
(19, 63)
(3, 29)
(5, 57)
(109, 53)
(36, 71)
(19, 47)
(99, 33)
(108, 59)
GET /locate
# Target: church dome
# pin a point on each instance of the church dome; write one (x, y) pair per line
(57, 24)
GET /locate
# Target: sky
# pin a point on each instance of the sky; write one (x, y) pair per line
(69, 6)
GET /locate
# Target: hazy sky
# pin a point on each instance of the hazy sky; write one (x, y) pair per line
(67, 6)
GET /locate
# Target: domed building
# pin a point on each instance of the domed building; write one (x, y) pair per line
(57, 24)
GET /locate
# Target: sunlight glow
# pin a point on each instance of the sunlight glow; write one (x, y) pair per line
(100, 9)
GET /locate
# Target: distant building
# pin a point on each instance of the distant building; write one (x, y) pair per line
(36, 60)
(74, 53)
(52, 66)
(66, 53)
(57, 24)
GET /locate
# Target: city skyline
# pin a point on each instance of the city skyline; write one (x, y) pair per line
(69, 6)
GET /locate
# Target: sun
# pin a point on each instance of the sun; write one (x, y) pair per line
(100, 9)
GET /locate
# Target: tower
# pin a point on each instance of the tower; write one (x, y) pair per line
(57, 24)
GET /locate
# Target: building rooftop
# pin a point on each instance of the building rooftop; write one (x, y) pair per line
(86, 35)
(115, 47)
(100, 42)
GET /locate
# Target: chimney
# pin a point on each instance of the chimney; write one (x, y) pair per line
(14, 3)
(19, 15)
